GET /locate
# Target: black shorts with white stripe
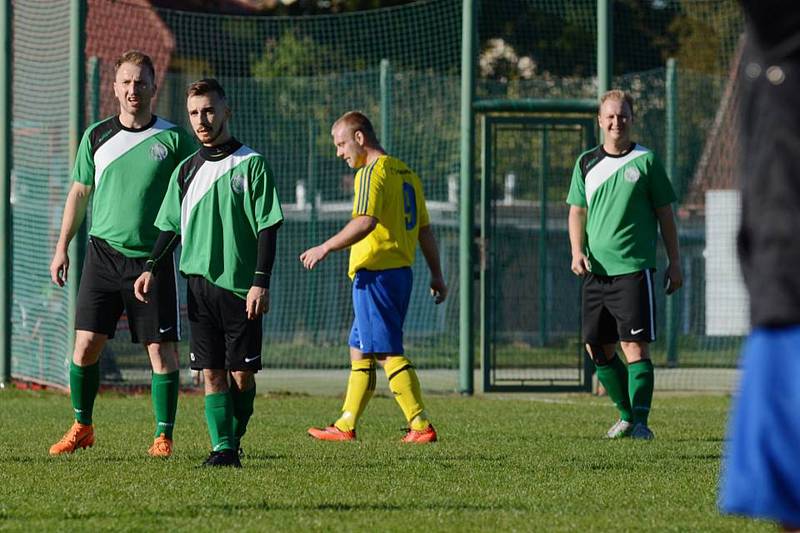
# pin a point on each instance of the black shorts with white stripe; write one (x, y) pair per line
(619, 308)
(106, 289)
(221, 337)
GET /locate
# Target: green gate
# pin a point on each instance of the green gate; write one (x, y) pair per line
(530, 300)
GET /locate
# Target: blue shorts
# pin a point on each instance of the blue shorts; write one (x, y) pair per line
(380, 303)
(761, 466)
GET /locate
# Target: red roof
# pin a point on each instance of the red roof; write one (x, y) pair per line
(114, 27)
(218, 6)
(717, 166)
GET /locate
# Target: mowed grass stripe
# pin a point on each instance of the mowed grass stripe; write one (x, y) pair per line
(502, 464)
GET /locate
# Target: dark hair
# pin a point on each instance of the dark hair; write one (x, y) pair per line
(205, 86)
(358, 121)
(137, 58)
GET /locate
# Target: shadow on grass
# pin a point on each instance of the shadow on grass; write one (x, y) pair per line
(366, 506)
(706, 439)
(658, 439)
(255, 456)
(469, 458)
(21, 460)
(609, 467)
(704, 457)
(265, 506)
(69, 459)
(108, 459)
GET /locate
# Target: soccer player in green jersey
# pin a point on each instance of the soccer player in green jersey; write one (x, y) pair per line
(126, 162)
(389, 217)
(618, 197)
(222, 205)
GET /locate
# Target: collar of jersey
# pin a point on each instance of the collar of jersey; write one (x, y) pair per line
(136, 130)
(630, 149)
(220, 151)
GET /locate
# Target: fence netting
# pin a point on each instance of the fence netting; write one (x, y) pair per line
(289, 78)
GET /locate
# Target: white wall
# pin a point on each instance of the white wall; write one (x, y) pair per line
(727, 304)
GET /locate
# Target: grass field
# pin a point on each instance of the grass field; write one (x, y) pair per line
(511, 463)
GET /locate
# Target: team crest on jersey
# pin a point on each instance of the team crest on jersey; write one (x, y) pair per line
(237, 183)
(158, 152)
(632, 174)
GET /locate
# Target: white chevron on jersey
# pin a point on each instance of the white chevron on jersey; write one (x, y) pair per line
(122, 142)
(607, 167)
(205, 178)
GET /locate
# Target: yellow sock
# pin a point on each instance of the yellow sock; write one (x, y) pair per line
(360, 387)
(404, 385)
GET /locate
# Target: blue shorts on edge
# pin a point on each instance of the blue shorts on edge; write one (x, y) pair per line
(761, 465)
(380, 303)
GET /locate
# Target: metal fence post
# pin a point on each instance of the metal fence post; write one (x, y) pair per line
(605, 52)
(543, 289)
(671, 111)
(77, 119)
(386, 105)
(6, 233)
(466, 347)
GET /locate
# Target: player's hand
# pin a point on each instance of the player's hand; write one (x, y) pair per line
(59, 267)
(312, 256)
(141, 287)
(673, 279)
(438, 290)
(257, 302)
(580, 264)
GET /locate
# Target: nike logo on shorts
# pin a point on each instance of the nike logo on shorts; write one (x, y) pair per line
(636, 331)
(251, 359)
(164, 330)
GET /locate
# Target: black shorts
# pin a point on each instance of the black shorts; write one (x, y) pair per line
(221, 335)
(619, 308)
(106, 289)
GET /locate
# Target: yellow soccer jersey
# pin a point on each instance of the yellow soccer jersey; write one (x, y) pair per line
(391, 192)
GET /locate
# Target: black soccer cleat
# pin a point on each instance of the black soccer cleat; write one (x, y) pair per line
(223, 458)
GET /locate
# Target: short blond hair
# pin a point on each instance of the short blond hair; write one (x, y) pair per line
(137, 58)
(357, 121)
(616, 94)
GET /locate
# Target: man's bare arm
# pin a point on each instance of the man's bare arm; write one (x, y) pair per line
(669, 233)
(74, 214)
(577, 240)
(427, 243)
(354, 231)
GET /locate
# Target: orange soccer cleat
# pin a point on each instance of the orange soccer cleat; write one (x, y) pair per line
(420, 437)
(332, 433)
(78, 436)
(162, 447)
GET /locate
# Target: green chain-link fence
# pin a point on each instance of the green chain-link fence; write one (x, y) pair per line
(289, 78)
(40, 153)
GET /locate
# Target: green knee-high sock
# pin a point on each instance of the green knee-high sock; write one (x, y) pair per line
(614, 377)
(242, 411)
(640, 387)
(219, 416)
(84, 381)
(164, 392)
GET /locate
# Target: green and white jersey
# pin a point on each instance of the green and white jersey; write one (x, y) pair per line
(621, 194)
(218, 201)
(129, 171)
